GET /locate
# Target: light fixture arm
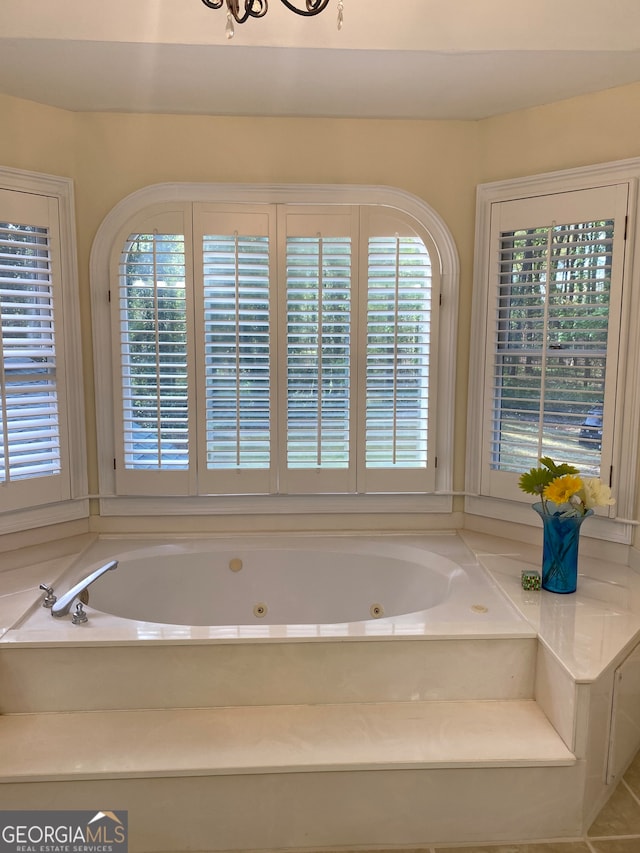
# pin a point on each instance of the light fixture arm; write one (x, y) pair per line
(252, 8)
(259, 8)
(314, 7)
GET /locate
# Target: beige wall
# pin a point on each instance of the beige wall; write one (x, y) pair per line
(111, 155)
(37, 138)
(591, 129)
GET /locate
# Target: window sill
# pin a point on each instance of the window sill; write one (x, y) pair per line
(27, 519)
(275, 505)
(514, 512)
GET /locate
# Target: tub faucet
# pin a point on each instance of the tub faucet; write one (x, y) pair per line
(63, 604)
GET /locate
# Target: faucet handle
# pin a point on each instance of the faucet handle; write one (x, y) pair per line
(80, 615)
(49, 599)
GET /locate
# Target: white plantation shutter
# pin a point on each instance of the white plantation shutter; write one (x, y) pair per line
(320, 309)
(558, 290)
(237, 375)
(318, 351)
(398, 355)
(152, 354)
(398, 352)
(274, 349)
(33, 451)
(237, 351)
(31, 445)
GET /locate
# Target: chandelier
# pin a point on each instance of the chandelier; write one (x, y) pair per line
(241, 10)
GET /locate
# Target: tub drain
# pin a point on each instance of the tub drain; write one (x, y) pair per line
(260, 610)
(479, 608)
(376, 610)
(235, 564)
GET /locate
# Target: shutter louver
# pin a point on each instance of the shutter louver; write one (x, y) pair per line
(318, 352)
(551, 345)
(398, 339)
(237, 361)
(153, 350)
(29, 414)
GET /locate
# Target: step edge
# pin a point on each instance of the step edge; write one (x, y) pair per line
(259, 770)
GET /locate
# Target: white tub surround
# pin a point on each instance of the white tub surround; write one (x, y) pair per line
(22, 571)
(587, 674)
(485, 717)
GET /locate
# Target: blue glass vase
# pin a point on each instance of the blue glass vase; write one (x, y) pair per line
(561, 537)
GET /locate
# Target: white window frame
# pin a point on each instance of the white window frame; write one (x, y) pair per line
(75, 504)
(126, 213)
(618, 527)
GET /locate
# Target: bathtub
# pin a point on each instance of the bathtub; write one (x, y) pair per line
(280, 587)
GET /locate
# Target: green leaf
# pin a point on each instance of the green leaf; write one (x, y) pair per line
(535, 480)
(557, 470)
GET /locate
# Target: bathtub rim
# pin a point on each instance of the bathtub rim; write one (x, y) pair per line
(33, 627)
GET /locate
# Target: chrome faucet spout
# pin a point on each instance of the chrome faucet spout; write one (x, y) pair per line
(63, 604)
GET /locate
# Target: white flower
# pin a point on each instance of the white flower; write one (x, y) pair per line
(596, 493)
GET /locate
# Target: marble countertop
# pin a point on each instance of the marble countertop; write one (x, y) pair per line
(587, 630)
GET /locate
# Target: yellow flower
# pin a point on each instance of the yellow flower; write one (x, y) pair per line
(562, 489)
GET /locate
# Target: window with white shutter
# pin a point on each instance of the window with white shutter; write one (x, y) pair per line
(28, 390)
(399, 308)
(151, 358)
(551, 380)
(552, 328)
(318, 351)
(400, 333)
(233, 263)
(36, 468)
(273, 349)
(319, 306)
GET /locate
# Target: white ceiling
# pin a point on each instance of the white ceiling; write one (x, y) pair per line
(435, 59)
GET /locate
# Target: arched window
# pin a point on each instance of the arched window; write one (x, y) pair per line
(272, 344)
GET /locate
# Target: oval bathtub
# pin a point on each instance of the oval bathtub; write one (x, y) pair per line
(277, 588)
(216, 583)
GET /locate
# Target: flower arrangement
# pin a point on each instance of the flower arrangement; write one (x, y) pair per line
(563, 486)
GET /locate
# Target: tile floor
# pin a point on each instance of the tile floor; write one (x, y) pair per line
(615, 830)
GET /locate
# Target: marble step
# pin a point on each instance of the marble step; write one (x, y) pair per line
(66, 677)
(277, 739)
